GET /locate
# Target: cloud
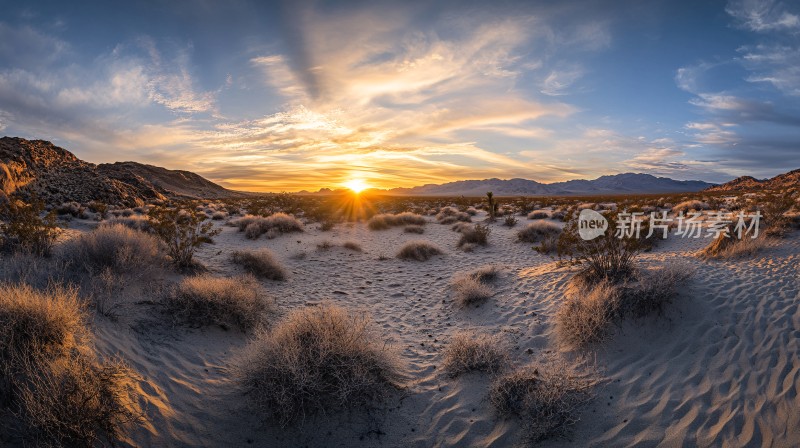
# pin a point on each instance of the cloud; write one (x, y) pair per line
(763, 15)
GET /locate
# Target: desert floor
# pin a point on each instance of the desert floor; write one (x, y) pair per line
(720, 368)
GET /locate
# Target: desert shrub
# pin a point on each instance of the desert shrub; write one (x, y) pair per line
(590, 309)
(135, 222)
(260, 263)
(59, 393)
(690, 205)
(587, 313)
(510, 221)
(604, 257)
(544, 397)
(227, 302)
(732, 248)
(352, 245)
(218, 216)
(274, 225)
(23, 229)
(653, 291)
(470, 352)
(319, 359)
(78, 401)
(326, 225)
(536, 231)
(418, 250)
(414, 229)
(385, 221)
(472, 211)
(450, 215)
(478, 234)
(538, 214)
(39, 323)
(548, 245)
(116, 247)
(100, 208)
(182, 231)
(324, 245)
(70, 208)
(470, 290)
(460, 227)
(775, 208)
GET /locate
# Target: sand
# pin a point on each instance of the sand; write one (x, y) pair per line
(720, 368)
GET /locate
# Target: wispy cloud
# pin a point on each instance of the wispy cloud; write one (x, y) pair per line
(763, 15)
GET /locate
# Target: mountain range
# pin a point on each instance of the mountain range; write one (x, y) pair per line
(51, 173)
(627, 183)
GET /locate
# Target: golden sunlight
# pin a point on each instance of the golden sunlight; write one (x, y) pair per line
(357, 185)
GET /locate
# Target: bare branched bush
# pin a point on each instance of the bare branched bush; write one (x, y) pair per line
(23, 229)
(319, 359)
(537, 231)
(260, 263)
(654, 290)
(545, 397)
(385, 221)
(418, 250)
(116, 247)
(182, 231)
(228, 302)
(469, 351)
(606, 257)
(510, 221)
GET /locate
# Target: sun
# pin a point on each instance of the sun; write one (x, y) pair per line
(357, 185)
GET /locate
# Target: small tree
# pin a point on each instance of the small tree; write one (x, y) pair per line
(24, 229)
(182, 230)
(492, 205)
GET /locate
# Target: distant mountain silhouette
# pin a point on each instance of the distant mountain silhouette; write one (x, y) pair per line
(613, 184)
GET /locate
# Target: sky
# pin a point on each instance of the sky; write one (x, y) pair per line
(294, 95)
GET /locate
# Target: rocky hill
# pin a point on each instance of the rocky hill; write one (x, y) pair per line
(748, 183)
(55, 175)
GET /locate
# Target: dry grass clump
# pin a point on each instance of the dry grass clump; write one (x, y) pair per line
(733, 248)
(538, 214)
(586, 315)
(352, 245)
(474, 287)
(319, 359)
(260, 263)
(690, 205)
(510, 221)
(414, 229)
(273, 225)
(537, 231)
(545, 398)
(58, 393)
(227, 302)
(385, 221)
(114, 247)
(590, 309)
(450, 215)
(469, 351)
(418, 250)
(477, 234)
(135, 222)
